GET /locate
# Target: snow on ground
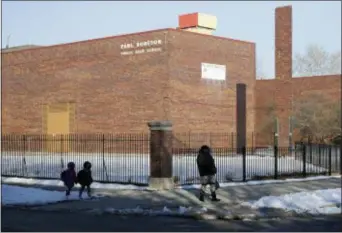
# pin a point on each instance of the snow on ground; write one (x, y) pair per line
(181, 210)
(58, 183)
(106, 186)
(324, 201)
(260, 182)
(136, 168)
(13, 195)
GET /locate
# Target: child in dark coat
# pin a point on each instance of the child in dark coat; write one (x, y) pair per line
(85, 178)
(68, 176)
(207, 171)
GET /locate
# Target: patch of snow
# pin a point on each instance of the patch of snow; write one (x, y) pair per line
(58, 183)
(14, 195)
(324, 201)
(182, 210)
(96, 185)
(260, 182)
(165, 211)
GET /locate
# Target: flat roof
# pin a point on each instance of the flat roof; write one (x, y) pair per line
(118, 36)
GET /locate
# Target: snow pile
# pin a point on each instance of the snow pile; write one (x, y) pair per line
(58, 183)
(14, 195)
(165, 211)
(324, 201)
(259, 182)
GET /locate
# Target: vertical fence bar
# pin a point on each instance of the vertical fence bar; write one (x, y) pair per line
(252, 143)
(275, 162)
(24, 170)
(310, 149)
(329, 157)
(232, 140)
(339, 149)
(62, 142)
(244, 164)
(275, 156)
(319, 154)
(103, 152)
(304, 159)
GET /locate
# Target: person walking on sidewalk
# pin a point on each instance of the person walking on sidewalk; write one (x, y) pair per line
(85, 179)
(68, 176)
(207, 170)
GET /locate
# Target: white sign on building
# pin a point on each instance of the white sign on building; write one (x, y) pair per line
(213, 71)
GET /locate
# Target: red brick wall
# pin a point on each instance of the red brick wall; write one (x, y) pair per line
(113, 93)
(266, 90)
(198, 106)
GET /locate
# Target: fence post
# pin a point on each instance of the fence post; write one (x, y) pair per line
(244, 179)
(340, 156)
(275, 156)
(329, 157)
(319, 154)
(105, 173)
(304, 159)
(161, 155)
(310, 148)
(24, 170)
(253, 150)
(62, 149)
(232, 140)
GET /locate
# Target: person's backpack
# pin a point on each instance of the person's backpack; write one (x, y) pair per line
(63, 173)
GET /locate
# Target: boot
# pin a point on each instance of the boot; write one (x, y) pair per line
(80, 194)
(201, 197)
(213, 197)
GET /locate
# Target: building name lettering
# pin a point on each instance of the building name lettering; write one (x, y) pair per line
(140, 44)
(140, 51)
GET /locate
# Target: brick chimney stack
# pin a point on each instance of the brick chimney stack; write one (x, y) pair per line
(283, 73)
(283, 43)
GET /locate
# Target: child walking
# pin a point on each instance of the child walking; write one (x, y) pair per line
(85, 179)
(68, 176)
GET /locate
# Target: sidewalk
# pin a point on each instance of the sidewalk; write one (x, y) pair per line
(186, 202)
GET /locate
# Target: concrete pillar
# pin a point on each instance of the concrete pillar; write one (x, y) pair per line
(161, 155)
(241, 121)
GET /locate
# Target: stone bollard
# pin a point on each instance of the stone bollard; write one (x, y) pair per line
(161, 155)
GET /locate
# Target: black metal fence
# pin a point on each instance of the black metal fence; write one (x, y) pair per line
(115, 158)
(322, 155)
(259, 163)
(124, 158)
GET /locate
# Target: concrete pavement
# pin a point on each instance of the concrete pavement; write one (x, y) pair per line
(44, 221)
(228, 207)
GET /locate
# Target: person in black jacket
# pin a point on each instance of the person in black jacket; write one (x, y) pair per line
(84, 178)
(207, 170)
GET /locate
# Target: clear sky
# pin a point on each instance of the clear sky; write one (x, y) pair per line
(48, 23)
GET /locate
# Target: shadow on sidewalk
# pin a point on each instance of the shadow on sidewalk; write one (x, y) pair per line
(14, 219)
